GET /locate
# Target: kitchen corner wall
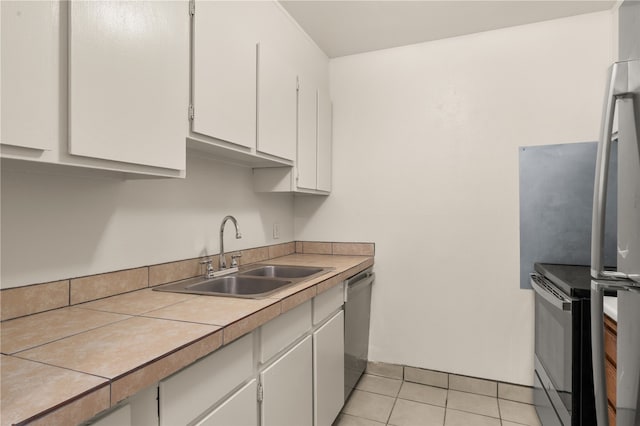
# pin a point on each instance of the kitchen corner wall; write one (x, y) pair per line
(425, 164)
(60, 223)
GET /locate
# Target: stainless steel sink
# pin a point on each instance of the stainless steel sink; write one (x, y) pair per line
(281, 271)
(238, 285)
(255, 282)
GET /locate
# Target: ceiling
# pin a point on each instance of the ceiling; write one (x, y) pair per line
(348, 27)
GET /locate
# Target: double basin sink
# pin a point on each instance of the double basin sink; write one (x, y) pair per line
(255, 282)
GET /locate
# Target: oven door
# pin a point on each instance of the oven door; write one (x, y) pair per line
(554, 345)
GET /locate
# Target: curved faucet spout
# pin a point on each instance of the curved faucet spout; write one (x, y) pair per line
(223, 261)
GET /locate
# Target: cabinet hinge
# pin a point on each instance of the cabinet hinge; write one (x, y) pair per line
(192, 7)
(260, 392)
(191, 114)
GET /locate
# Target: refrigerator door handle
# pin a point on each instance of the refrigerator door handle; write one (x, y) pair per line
(617, 88)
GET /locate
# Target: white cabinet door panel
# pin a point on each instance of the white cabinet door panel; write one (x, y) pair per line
(277, 103)
(307, 134)
(328, 370)
(224, 74)
(324, 140)
(241, 409)
(31, 74)
(277, 86)
(128, 81)
(287, 386)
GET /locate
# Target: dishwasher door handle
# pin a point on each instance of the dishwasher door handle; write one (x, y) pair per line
(355, 283)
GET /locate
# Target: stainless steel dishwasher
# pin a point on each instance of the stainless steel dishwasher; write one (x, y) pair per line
(357, 312)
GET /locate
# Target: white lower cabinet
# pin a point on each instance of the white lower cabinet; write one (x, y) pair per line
(328, 370)
(241, 409)
(190, 393)
(287, 388)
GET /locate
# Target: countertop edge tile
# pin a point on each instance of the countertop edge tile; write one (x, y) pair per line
(298, 298)
(128, 384)
(75, 411)
(249, 323)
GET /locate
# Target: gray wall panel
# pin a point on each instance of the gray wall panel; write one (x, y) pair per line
(556, 197)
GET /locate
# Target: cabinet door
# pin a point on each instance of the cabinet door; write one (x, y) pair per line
(307, 134)
(277, 84)
(30, 75)
(241, 409)
(128, 81)
(328, 370)
(325, 126)
(287, 388)
(224, 70)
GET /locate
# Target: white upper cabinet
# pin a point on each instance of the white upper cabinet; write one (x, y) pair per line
(307, 134)
(30, 74)
(244, 82)
(98, 85)
(312, 171)
(128, 81)
(325, 127)
(224, 70)
(277, 84)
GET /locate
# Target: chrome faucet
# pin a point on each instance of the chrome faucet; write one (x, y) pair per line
(223, 261)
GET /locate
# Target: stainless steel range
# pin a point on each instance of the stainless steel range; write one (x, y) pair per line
(563, 392)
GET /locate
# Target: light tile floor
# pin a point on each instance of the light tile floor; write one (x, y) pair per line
(379, 401)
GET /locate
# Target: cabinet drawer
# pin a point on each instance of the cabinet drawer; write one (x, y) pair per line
(190, 392)
(284, 330)
(327, 303)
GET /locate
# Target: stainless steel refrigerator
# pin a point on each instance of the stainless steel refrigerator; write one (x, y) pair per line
(622, 100)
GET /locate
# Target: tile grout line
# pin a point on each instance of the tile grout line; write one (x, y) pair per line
(446, 405)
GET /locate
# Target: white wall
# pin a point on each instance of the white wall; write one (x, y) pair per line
(425, 164)
(62, 223)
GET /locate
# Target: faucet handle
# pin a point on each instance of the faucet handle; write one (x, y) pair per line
(234, 261)
(207, 261)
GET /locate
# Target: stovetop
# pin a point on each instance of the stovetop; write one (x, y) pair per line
(573, 280)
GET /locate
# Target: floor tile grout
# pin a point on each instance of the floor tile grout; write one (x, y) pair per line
(446, 406)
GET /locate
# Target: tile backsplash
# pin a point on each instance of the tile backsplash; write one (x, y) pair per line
(31, 299)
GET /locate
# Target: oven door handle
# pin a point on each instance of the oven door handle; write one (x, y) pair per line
(559, 301)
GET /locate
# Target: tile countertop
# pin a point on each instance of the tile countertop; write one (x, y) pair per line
(67, 365)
